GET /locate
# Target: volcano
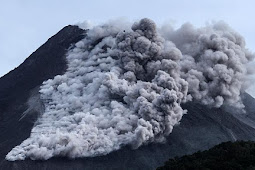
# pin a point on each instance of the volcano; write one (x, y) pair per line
(202, 127)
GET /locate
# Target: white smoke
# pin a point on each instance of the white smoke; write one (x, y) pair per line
(124, 86)
(214, 62)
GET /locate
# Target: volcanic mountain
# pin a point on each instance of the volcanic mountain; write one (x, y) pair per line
(20, 106)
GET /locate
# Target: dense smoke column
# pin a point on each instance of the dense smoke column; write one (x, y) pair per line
(214, 63)
(149, 82)
(122, 87)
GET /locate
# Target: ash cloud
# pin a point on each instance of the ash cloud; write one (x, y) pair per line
(125, 85)
(214, 63)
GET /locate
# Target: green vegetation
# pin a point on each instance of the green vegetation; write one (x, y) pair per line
(231, 156)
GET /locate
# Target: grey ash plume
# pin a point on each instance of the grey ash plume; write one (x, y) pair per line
(125, 85)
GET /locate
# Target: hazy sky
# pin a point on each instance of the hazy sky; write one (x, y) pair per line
(27, 24)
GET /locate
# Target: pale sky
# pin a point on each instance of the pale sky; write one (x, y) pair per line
(27, 24)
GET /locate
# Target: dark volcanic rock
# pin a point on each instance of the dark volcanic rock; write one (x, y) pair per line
(200, 129)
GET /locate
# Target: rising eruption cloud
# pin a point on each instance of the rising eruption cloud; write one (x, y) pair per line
(125, 85)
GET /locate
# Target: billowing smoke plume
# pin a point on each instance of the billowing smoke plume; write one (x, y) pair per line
(125, 85)
(214, 63)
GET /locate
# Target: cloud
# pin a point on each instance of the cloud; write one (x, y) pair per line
(125, 84)
(214, 63)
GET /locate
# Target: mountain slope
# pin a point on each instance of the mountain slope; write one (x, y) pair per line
(200, 129)
(16, 86)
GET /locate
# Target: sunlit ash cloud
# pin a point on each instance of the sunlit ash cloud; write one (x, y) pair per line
(125, 84)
